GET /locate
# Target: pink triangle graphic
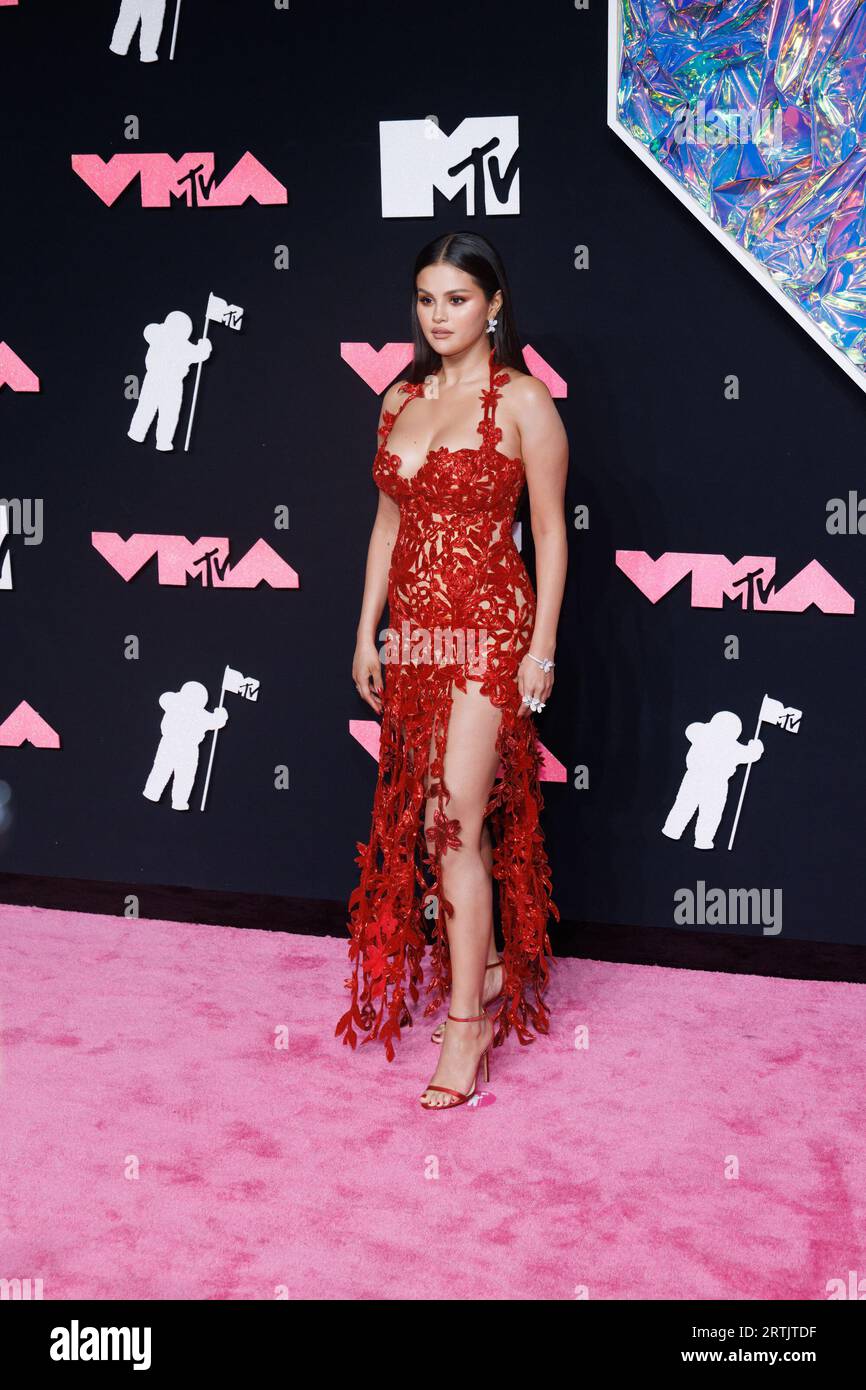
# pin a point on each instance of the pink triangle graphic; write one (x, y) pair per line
(367, 732)
(24, 725)
(555, 384)
(14, 372)
(377, 369)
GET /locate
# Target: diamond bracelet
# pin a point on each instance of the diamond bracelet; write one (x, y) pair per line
(546, 664)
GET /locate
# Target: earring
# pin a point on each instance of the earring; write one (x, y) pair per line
(491, 325)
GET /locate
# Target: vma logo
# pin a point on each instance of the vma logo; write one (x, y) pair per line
(162, 179)
(205, 561)
(480, 157)
(716, 580)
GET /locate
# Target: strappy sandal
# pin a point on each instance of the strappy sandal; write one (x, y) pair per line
(485, 1058)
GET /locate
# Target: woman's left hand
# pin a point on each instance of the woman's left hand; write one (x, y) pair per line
(531, 680)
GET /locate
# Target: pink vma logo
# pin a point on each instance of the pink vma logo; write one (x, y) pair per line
(206, 561)
(751, 579)
(192, 177)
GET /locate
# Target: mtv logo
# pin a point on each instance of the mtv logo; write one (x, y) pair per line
(480, 157)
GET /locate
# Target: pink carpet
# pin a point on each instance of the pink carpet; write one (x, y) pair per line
(602, 1172)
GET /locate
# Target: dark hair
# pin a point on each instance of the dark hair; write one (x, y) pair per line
(473, 253)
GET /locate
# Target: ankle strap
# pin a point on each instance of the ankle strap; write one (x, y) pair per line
(476, 1019)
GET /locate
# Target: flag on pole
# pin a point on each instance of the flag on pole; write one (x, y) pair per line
(174, 30)
(236, 684)
(774, 712)
(218, 309)
(783, 717)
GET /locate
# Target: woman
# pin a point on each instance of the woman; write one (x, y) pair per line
(469, 657)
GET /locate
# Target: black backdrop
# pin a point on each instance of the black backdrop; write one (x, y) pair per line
(644, 338)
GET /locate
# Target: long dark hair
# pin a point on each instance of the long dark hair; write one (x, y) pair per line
(472, 252)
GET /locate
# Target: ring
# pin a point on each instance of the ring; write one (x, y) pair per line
(534, 703)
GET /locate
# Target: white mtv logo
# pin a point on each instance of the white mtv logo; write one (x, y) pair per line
(480, 156)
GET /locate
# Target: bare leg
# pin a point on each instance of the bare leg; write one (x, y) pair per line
(470, 767)
(493, 979)
(486, 851)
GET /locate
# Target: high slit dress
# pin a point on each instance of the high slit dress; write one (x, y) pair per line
(454, 567)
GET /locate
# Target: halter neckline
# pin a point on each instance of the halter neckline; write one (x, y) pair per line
(486, 427)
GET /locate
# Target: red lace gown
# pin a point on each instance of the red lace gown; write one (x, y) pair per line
(454, 565)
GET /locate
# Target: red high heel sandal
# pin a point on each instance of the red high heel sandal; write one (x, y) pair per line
(485, 1058)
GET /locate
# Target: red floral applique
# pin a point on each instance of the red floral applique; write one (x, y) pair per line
(444, 833)
(454, 564)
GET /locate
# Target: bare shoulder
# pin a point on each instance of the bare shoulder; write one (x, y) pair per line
(531, 407)
(527, 395)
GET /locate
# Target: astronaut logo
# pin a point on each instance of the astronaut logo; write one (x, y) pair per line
(150, 15)
(714, 756)
(184, 725)
(170, 354)
(186, 721)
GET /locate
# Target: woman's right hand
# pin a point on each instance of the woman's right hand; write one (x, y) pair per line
(367, 674)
